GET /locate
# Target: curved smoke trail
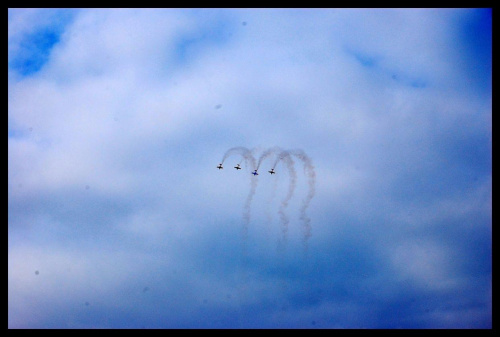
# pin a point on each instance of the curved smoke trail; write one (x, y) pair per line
(245, 154)
(267, 153)
(249, 161)
(285, 157)
(311, 181)
(264, 155)
(269, 216)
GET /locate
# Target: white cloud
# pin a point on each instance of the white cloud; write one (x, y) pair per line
(140, 105)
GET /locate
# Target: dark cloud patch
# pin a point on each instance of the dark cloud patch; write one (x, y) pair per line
(36, 46)
(475, 33)
(36, 53)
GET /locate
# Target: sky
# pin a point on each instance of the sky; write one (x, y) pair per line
(119, 218)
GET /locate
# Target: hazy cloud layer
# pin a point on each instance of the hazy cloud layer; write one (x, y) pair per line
(118, 217)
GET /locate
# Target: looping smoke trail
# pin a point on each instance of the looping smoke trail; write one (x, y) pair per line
(244, 152)
(268, 153)
(246, 155)
(270, 202)
(279, 155)
(249, 161)
(311, 174)
(285, 156)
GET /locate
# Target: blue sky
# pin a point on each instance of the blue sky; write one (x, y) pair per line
(118, 217)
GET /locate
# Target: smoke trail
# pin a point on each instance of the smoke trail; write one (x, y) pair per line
(309, 170)
(246, 208)
(268, 153)
(246, 155)
(264, 155)
(269, 216)
(285, 156)
(280, 154)
(249, 161)
(244, 152)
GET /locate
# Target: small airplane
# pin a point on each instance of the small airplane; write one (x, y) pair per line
(237, 167)
(220, 166)
(255, 173)
(272, 171)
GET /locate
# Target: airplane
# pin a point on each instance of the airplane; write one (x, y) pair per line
(220, 166)
(272, 171)
(255, 173)
(237, 167)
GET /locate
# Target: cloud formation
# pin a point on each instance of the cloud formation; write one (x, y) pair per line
(118, 117)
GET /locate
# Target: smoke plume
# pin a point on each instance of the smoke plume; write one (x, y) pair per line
(285, 157)
(311, 181)
(247, 155)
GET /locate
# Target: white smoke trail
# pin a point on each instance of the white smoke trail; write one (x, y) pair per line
(285, 157)
(246, 155)
(248, 202)
(272, 151)
(269, 215)
(244, 152)
(311, 181)
(249, 161)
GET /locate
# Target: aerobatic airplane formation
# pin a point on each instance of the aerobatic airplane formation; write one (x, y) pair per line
(238, 167)
(284, 156)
